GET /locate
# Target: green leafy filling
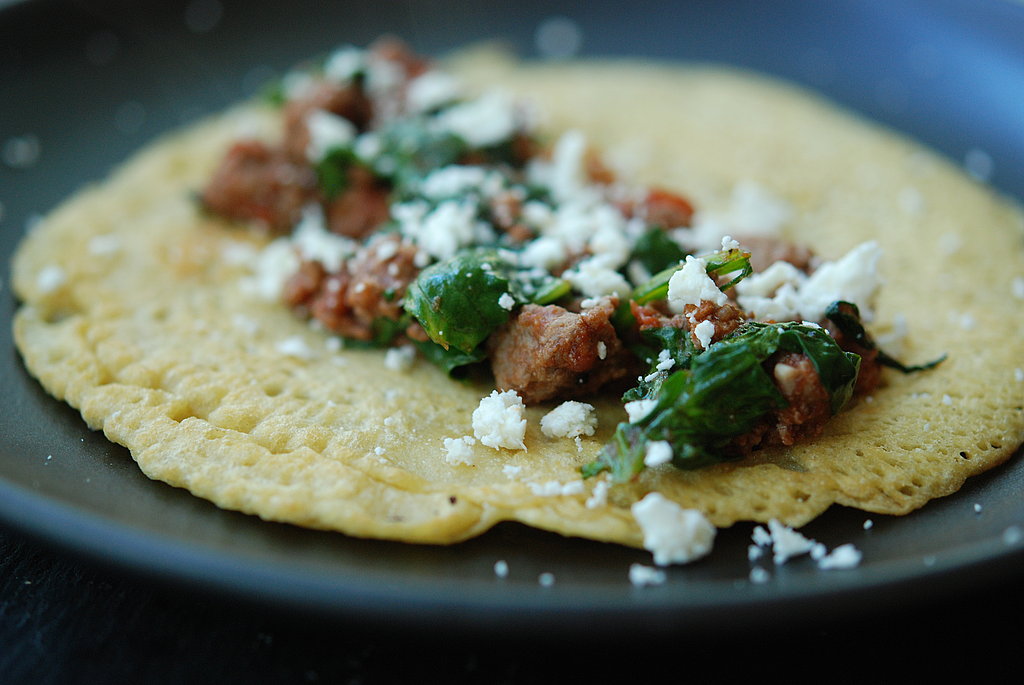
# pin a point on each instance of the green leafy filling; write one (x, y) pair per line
(846, 317)
(656, 251)
(721, 394)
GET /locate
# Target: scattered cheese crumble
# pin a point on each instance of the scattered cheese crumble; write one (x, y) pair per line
(459, 450)
(553, 488)
(499, 422)
(704, 331)
(692, 285)
(673, 534)
(843, 556)
(400, 358)
(782, 292)
(642, 576)
(787, 543)
(599, 497)
(638, 409)
(569, 420)
(295, 346)
(50, 278)
(658, 452)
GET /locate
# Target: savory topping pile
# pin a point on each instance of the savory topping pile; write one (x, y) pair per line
(413, 216)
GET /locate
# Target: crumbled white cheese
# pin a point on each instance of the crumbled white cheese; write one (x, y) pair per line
(692, 285)
(783, 293)
(553, 488)
(599, 496)
(441, 231)
(761, 537)
(315, 243)
(483, 122)
(842, 557)
(786, 542)
(103, 245)
(665, 361)
(704, 331)
(569, 420)
(759, 575)
(755, 210)
(602, 350)
(327, 132)
(506, 301)
(50, 278)
(343, 64)
(383, 79)
(295, 346)
(950, 243)
(459, 450)
(868, 524)
(546, 579)
(499, 422)
(851, 278)
(400, 358)
(272, 268)
(545, 253)
(368, 147)
(594, 278)
(511, 470)
(643, 576)
(766, 283)
(658, 452)
(501, 568)
(567, 173)
(638, 409)
(673, 534)
(911, 201)
(431, 90)
(455, 180)
(728, 243)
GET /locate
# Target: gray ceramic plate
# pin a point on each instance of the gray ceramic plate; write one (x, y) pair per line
(79, 94)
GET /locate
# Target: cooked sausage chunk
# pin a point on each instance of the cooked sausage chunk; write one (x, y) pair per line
(256, 182)
(549, 352)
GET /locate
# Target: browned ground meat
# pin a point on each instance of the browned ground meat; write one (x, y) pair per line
(665, 209)
(361, 208)
(392, 49)
(549, 352)
(256, 182)
(381, 273)
(809, 402)
(348, 101)
(809, 406)
(726, 318)
(765, 251)
(369, 287)
(304, 285)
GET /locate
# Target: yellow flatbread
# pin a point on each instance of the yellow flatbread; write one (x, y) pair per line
(139, 311)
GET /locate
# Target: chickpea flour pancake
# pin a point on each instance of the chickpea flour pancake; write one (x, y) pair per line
(618, 300)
